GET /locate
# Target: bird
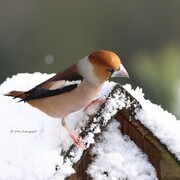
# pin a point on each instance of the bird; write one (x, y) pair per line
(73, 88)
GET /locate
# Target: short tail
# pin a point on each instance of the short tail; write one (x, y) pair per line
(17, 94)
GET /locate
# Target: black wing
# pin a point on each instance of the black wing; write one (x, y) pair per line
(60, 83)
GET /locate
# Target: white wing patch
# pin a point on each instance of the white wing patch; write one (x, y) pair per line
(63, 83)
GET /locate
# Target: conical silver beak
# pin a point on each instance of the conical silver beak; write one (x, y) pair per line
(120, 73)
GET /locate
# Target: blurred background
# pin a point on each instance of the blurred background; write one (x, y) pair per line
(47, 36)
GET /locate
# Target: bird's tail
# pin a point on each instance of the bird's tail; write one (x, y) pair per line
(17, 94)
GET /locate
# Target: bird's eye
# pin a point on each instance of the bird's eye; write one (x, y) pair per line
(111, 70)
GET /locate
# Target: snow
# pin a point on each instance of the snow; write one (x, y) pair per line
(117, 157)
(161, 123)
(31, 142)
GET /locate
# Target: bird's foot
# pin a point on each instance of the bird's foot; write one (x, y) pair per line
(78, 142)
(98, 101)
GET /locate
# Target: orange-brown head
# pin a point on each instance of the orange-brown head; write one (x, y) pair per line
(107, 64)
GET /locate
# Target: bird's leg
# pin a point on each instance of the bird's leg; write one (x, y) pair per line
(75, 139)
(96, 101)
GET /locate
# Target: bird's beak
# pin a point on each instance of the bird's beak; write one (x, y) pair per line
(120, 73)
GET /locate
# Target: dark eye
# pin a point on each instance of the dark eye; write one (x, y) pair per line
(111, 70)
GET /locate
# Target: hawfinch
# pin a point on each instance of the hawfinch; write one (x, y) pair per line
(73, 88)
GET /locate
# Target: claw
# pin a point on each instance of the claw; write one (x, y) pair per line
(78, 142)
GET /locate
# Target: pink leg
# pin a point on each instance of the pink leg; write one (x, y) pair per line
(96, 101)
(75, 139)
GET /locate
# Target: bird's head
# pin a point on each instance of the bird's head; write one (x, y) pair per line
(102, 65)
(107, 64)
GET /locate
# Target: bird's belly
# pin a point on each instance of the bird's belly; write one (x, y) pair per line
(61, 105)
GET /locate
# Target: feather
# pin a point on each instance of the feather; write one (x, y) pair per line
(61, 83)
(42, 93)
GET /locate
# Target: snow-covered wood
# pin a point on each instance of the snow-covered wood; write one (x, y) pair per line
(118, 99)
(165, 163)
